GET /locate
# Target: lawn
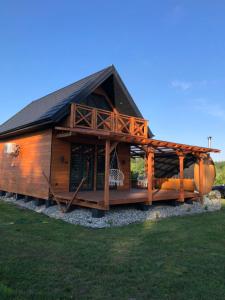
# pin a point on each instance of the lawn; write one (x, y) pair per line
(176, 258)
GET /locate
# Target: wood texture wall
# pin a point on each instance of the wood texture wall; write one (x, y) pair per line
(60, 164)
(23, 174)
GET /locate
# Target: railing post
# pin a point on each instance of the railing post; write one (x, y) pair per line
(145, 128)
(132, 124)
(115, 117)
(72, 115)
(94, 118)
(113, 125)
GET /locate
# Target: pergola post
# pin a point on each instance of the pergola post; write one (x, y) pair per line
(181, 156)
(201, 166)
(107, 167)
(150, 174)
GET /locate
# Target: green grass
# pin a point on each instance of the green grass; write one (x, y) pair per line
(176, 258)
(220, 172)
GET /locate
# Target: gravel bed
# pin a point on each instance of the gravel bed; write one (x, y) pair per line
(119, 216)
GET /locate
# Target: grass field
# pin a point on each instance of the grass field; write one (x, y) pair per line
(176, 258)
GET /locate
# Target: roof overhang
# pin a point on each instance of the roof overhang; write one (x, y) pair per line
(166, 147)
(158, 146)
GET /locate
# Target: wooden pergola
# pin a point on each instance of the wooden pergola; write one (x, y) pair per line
(181, 150)
(152, 146)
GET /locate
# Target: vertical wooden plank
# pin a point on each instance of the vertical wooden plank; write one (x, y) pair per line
(181, 167)
(95, 167)
(72, 115)
(113, 121)
(94, 118)
(107, 166)
(145, 128)
(150, 175)
(201, 166)
(132, 122)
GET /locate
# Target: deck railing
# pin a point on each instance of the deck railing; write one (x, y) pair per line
(86, 117)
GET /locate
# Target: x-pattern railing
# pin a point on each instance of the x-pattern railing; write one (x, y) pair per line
(99, 119)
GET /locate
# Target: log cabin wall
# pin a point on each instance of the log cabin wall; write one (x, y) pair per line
(23, 174)
(60, 164)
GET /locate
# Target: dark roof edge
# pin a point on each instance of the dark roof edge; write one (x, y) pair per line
(26, 128)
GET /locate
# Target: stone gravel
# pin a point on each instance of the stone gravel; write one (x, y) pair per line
(120, 216)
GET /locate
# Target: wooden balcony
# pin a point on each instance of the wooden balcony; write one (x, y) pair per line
(102, 121)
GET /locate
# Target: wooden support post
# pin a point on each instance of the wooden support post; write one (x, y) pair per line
(72, 115)
(201, 166)
(95, 167)
(107, 166)
(181, 177)
(132, 121)
(145, 128)
(150, 175)
(94, 118)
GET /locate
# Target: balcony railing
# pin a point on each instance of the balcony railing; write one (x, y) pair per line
(86, 117)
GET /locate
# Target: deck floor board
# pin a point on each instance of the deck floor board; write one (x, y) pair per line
(127, 196)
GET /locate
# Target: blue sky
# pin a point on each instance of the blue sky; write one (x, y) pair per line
(170, 55)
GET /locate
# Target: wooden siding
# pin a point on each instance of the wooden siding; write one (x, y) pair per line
(23, 174)
(60, 164)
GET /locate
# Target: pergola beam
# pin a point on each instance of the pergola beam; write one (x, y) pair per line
(119, 137)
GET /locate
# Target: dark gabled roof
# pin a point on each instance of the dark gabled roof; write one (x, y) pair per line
(53, 107)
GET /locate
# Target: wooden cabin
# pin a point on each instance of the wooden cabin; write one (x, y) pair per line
(75, 146)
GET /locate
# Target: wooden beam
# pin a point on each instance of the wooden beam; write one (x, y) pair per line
(101, 92)
(95, 167)
(86, 131)
(64, 135)
(107, 166)
(114, 144)
(150, 175)
(201, 167)
(72, 115)
(181, 156)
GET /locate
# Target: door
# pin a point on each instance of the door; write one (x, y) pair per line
(82, 163)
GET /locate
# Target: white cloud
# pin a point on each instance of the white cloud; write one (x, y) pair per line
(181, 85)
(211, 108)
(186, 85)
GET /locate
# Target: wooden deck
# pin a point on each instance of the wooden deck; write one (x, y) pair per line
(123, 197)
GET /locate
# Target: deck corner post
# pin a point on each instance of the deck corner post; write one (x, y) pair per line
(150, 174)
(181, 156)
(107, 167)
